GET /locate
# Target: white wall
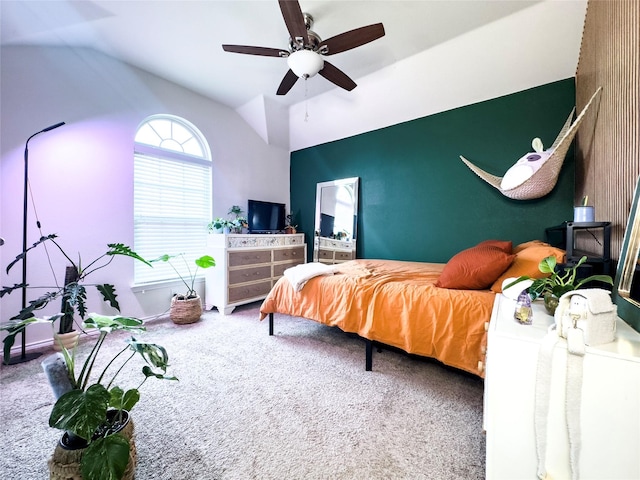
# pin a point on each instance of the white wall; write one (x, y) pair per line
(81, 173)
(532, 47)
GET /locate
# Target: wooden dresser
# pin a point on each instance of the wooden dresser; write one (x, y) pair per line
(328, 250)
(247, 266)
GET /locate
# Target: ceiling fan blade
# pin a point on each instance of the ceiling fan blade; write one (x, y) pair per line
(353, 38)
(262, 51)
(287, 82)
(294, 19)
(337, 76)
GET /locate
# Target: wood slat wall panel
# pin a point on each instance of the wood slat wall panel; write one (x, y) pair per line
(608, 143)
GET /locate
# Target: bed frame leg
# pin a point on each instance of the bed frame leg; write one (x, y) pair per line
(271, 323)
(369, 355)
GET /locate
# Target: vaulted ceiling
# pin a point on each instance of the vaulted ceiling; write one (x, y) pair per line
(181, 40)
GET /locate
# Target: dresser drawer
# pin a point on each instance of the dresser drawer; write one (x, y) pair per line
(288, 254)
(238, 259)
(278, 270)
(294, 240)
(249, 274)
(325, 254)
(253, 290)
(344, 255)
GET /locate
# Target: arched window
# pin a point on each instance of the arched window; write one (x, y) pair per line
(172, 195)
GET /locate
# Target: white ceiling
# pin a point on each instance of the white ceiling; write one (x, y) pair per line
(181, 40)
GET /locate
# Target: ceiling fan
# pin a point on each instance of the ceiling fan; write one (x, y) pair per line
(306, 49)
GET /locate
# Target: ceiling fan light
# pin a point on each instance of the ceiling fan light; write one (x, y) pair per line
(305, 63)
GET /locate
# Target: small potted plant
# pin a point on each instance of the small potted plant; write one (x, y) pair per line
(233, 224)
(289, 226)
(73, 294)
(186, 307)
(238, 222)
(219, 225)
(558, 282)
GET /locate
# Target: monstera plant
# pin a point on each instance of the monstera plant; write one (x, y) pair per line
(94, 411)
(91, 408)
(72, 294)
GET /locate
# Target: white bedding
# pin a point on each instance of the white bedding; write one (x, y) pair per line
(300, 274)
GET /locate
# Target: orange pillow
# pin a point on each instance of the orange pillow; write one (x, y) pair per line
(504, 245)
(532, 243)
(526, 263)
(475, 268)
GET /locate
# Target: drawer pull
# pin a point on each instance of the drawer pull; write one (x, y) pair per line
(486, 326)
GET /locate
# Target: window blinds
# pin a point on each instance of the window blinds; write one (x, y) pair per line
(172, 207)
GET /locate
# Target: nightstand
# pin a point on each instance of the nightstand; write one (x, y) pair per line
(564, 236)
(610, 419)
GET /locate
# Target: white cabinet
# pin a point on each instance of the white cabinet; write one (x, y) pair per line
(247, 266)
(610, 402)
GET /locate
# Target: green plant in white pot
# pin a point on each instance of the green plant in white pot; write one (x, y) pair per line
(186, 307)
(219, 225)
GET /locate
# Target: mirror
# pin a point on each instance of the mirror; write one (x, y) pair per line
(336, 221)
(626, 291)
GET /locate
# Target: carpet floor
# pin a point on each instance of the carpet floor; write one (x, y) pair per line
(296, 405)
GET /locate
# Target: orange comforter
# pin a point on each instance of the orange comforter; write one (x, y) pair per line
(395, 303)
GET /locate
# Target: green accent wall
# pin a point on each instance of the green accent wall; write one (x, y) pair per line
(418, 201)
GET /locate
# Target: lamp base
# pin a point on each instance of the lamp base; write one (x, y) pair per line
(27, 357)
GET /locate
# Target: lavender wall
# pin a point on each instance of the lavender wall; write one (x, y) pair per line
(81, 173)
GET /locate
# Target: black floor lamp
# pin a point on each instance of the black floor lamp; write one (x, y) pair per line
(24, 357)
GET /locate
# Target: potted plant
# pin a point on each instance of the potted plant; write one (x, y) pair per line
(558, 282)
(289, 227)
(73, 294)
(219, 225)
(92, 410)
(186, 307)
(238, 221)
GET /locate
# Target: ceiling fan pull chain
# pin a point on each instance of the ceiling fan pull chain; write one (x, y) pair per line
(306, 101)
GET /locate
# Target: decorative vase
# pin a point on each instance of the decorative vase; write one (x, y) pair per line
(69, 340)
(226, 230)
(290, 230)
(185, 310)
(550, 303)
(65, 462)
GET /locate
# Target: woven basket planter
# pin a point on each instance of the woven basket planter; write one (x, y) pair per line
(69, 340)
(65, 464)
(185, 311)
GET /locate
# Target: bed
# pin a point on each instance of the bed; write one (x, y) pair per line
(434, 310)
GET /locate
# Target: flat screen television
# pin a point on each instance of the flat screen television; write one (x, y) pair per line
(266, 217)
